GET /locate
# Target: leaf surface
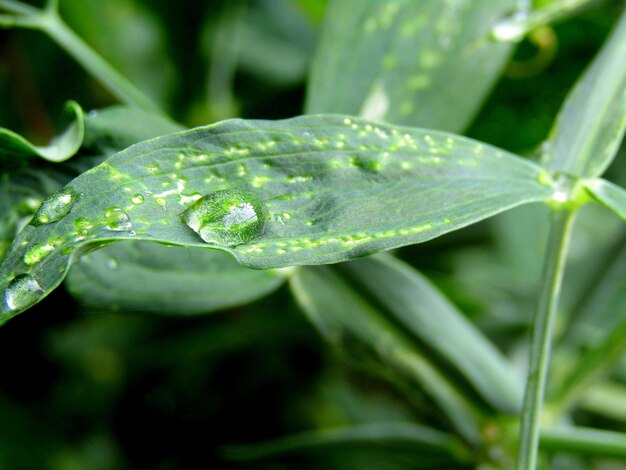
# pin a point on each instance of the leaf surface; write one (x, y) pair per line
(398, 436)
(608, 194)
(148, 277)
(332, 187)
(172, 280)
(60, 148)
(592, 121)
(419, 307)
(426, 63)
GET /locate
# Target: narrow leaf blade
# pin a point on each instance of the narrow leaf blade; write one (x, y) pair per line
(60, 149)
(608, 194)
(418, 306)
(592, 121)
(342, 316)
(584, 441)
(333, 187)
(397, 436)
(407, 61)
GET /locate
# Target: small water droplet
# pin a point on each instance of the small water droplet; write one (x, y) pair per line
(112, 263)
(117, 220)
(37, 253)
(83, 223)
(22, 292)
(55, 207)
(510, 29)
(229, 217)
(137, 199)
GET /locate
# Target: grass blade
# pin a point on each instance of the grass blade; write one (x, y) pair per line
(608, 194)
(343, 317)
(592, 121)
(427, 442)
(416, 304)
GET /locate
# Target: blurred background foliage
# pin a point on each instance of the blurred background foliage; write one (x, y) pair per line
(86, 389)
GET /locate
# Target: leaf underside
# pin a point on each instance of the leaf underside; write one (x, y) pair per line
(61, 148)
(335, 188)
(148, 277)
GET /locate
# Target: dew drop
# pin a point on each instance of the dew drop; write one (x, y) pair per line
(22, 292)
(55, 207)
(229, 217)
(117, 220)
(37, 253)
(510, 29)
(137, 199)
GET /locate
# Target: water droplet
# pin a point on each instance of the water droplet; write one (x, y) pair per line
(137, 199)
(510, 29)
(83, 223)
(229, 217)
(37, 253)
(117, 220)
(55, 207)
(22, 292)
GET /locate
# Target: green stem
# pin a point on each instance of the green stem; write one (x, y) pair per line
(124, 90)
(49, 21)
(18, 7)
(560, 230)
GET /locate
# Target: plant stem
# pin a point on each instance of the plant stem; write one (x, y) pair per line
(49, 21)
(18, 7)
(545, 313)
(65, 37)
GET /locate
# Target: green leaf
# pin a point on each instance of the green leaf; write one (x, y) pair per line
(21, 191)
(592, 121)
(143, 276)
(420, 308)
(343, 318)
(276, 42)
(332, 188)
(608, 194)
(607, 399)
(424, 63)
(112, 129)
(426, 442)
(60, 148)
(585, 441)
(173, 280)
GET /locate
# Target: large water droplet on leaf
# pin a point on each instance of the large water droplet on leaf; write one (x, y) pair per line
(22, 292)
(229, 217)
(55, 207)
